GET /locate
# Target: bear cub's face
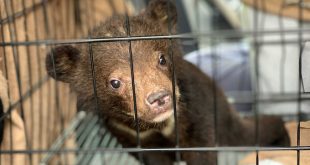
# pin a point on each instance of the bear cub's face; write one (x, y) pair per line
(153, 86)
(152, 67)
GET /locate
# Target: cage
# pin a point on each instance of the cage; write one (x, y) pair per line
(255, 50)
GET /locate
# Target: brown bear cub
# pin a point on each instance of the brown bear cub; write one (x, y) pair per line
(196, 99)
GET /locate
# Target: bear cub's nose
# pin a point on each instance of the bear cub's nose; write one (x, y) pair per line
(158, 99)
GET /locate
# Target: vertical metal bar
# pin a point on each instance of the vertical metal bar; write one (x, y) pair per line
(14, 36)
(94, 82)
(300, 38)
(133, 87)
(93, 73)
(176, 125)
(214, 59)
(91, 60)
(256, 89)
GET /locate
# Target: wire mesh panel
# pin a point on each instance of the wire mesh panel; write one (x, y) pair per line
(134, 82)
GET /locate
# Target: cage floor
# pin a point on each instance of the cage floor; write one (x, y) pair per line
(90, 135)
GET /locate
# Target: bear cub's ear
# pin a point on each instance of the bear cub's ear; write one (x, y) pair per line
(61, 62)
(163, 11)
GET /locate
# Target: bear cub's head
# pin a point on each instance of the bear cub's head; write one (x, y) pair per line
(111, 67)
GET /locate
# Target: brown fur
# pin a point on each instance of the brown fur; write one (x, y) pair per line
(195, 95)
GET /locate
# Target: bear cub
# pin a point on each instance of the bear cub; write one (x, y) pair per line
(156, 65)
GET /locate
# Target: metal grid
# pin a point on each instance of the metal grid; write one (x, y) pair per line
(254, 35)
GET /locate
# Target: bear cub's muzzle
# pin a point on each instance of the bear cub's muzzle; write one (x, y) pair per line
(159, 102)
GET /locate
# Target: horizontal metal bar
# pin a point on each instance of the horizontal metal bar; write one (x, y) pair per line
(214, 34)
(248, 97)
(132, 150)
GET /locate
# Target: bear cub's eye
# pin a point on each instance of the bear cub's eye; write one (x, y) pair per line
(115, 84)
(162, 60)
